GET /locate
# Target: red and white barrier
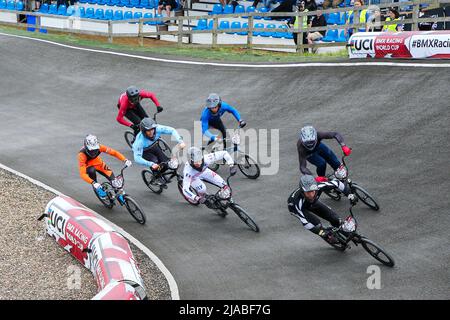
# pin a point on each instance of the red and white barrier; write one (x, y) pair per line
(96, 245)
(408, 44)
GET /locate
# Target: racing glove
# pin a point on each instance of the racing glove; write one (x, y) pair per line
(352, 198)
(347, 151)
(128, 163)
(242, 124)
(159, 109)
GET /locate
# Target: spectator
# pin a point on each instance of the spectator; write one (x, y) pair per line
(392, 15)
(363, 15)
(166, 4)
(373, 21)
(310, 5)
(301, 8)
(317, 21)
(267, 3)
(334, 3)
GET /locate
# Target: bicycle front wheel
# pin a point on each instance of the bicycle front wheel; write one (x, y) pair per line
(129, 138)
(244, 217)
(365, 197)
(106, 201)
(151, 181)
(377, 252)
(249, 167)
(135, 210)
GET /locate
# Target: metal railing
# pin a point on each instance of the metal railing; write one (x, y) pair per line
(298, 32)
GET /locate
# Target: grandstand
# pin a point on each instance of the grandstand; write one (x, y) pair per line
(100, 11)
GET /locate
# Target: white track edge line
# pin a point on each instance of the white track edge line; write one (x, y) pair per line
(169, 277)
(292, 65)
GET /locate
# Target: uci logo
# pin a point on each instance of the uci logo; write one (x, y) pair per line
(362, 45)
(57, 221)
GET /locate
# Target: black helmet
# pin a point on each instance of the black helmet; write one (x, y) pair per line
(213, 100)
(308, 183)
(308, 135)
(147, 124)
(91, 146)
(133, 94)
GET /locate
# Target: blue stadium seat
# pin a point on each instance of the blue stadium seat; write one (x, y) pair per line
(128, 15)
(333, 18)
(124, 3)
(330, 36)
(70, 11)
(258, 33)
(11, 5)
(229, 9)
(269, 33)
(224, 25)
(53, 9)
(92, 1)
(102, 2)
(264, 10)
(147, 16)
(342, 37)
(279, 34)
(342, 18)
(82, 1)
(154, 3)
(80, 12)
(99, 14)
(249, 10)
(135, 3)
(137, 15)
(19, 6)
(239, 9)
(217, 9)
(243, 33)
(42, 9)
(114, 2)
(145, 4)
(202, 24)
(159, 16)
(235, 25)
(109, 14)
(62, 10)
(118, 15)
(89, 13)
(210, 24)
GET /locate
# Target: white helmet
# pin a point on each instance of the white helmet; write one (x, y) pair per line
(195, 155)
(91, 145)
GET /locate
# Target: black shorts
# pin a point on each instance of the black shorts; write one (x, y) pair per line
(164, 3)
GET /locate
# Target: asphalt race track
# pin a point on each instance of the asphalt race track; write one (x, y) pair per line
(396, 119)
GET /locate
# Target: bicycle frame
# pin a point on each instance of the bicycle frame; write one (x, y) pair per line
(118, 191)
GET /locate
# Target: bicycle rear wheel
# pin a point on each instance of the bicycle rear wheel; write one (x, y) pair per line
(365, 197)
(129, 138)
(249, 168)
(377, 252)
(244, 217)
(135, 210)
(106, 201)
(180, 189)
(151, 181)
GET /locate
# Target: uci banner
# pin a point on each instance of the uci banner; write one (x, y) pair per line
(409, 44)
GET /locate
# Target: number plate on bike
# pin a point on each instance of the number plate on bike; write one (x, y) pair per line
(117, 182)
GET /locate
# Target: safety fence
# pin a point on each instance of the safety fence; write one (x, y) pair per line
(184, 36)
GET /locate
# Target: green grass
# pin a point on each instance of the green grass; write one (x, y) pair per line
(219, 54)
